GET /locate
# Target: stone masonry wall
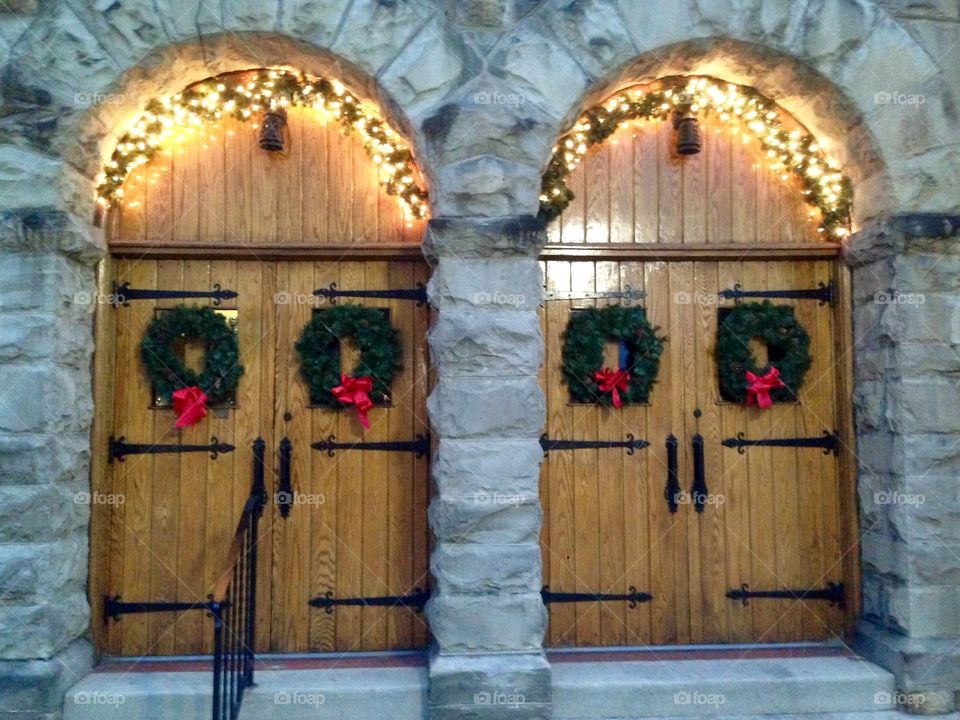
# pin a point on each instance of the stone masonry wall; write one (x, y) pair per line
(907, 329)
(481, 88)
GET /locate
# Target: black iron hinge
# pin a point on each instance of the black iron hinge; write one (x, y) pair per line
(120, 449)
(114, 608)
(416, 600)
(331, 293)
(825, 294)
(420, 446)
(633, 597)
(627, 295)
(123, 294)
(630, 444)
(829, 442)
(834, 593)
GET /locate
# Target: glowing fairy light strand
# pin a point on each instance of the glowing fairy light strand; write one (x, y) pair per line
(245, 96)
(745, 111)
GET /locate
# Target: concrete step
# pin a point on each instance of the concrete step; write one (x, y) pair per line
(337, 693)
(667, 688)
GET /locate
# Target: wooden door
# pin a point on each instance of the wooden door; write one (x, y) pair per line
(168, 535)
(773, 516)
(358, 526)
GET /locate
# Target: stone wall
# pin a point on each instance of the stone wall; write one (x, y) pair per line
(907, 329)
(481, 88)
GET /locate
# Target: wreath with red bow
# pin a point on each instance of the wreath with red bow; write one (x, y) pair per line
(379, 359)
(173, 381)
(788, 354)
(587, 332)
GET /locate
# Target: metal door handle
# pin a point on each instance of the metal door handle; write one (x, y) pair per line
(672, 491)
(285, 489)
(699, 490)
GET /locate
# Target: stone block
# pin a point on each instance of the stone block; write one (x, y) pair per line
(477, 407)
(44, 398)
(315, 21)
(488, 117)
(37, 572)
(920, 664)
(460, 568)
(250, 15)
(485, 187)
(477, 469)
(38, 513)
(41, 629)
(464, 238)
(27, 338)
(594, 33)
(467, 521)
(475, 680)
(34, 687)
(433, 62)
(484, 623)
(38, 458)
(46, 283)
(925, 405)
(482, 342)
(373, 32)
(495, 283)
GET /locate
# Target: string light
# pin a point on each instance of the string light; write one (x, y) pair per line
(243, 96)
(742, 109)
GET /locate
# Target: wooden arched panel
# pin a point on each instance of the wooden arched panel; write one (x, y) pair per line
(216, 187)
(635, 188)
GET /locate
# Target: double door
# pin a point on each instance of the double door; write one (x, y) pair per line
(773, 518)
(356, 525)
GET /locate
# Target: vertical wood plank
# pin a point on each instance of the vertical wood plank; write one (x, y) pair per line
(720, 188)
(238, 181)
(573, 221)
(186, 186)
(316, 186)
(340, 179)
(622, 196)
(596, 170)
(213, 204)
(289, 183)
(646, 188)
(696, 200)
(670, 187)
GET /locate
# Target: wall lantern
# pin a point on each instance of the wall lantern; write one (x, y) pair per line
(271, 130)
(688, 132)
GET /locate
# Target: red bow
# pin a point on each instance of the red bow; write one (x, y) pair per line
(353, 391)
(190, 405)
(759, 387)
(613, 381)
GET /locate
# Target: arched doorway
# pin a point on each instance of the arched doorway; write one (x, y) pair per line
(221, 204)
(727, 497)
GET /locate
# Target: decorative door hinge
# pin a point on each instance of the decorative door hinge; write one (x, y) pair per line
(420, 446)
(630, 444)
(829, 443)
(834, 593)
(123, 294)
(825, 294)
(331, 293)
(120, 449)
(633, 597)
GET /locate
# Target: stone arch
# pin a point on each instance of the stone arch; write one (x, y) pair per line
(811, 58)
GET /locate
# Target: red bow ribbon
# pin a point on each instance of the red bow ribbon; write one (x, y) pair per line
(613, 381)
(190, 405)
(759, 387)
(353, 391)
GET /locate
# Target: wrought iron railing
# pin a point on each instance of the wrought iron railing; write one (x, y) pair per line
(234, 604)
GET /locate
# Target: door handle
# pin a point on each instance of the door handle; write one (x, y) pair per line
(699, 490)
(672, 491)
(285, 489)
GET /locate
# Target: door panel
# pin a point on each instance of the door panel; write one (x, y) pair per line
(771, 519)
(361, 527)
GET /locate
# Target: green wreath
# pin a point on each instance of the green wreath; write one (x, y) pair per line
(319, 350)
(788, 349)
(583, 340)
(221, 363)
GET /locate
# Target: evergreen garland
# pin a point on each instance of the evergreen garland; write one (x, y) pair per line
(587, 332)
(318, 348)
(221, 363)
(788, 349)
